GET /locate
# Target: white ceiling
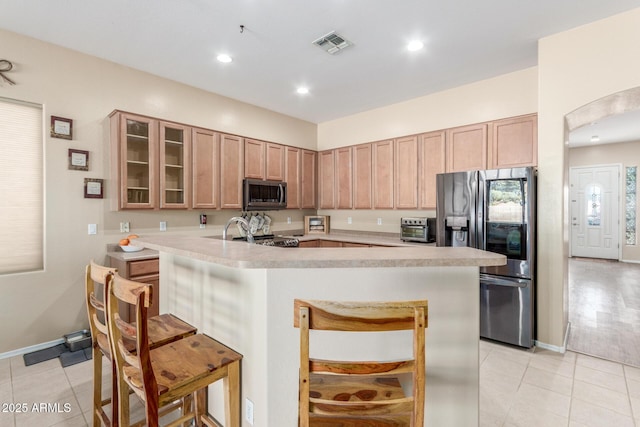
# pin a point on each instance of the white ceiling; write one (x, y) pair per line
(465, 41)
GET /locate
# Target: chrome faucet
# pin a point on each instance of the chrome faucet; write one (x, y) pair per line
(244, 222)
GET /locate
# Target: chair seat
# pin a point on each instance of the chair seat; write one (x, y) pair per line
(185, 366)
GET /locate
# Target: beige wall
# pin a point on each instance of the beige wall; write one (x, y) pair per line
(626, 154)
(42, 306)
(508, 95)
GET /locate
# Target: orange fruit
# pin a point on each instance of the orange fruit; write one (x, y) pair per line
(124, 242)
(132, 236)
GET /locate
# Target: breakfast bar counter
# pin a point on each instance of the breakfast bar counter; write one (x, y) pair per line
(242, 294)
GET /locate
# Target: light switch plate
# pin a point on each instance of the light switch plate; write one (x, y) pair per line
(248, 413)
(163, 225)
(93, 229)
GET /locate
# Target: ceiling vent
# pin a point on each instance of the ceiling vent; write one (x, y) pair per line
(332, 43)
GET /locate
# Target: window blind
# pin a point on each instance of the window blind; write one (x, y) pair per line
(21, 187)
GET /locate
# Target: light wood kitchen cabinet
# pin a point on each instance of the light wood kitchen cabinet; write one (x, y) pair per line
(254, 159)
(231, 171)
(406, 172)
(308, 171)
(326, 179)
(344, 178)
(383, 174)
(143, 271)
(175, 167)
(329, 244)
(362, 179)
(134, 160)
(432, 161)
(467, 148)
(293, 177)
(514, 142)
(263, 160)
(205, 149)
(309, 244)
(274, 159)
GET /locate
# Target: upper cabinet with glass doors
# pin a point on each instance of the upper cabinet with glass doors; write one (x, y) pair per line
(151, 159)
(174, 165)
(134, 160)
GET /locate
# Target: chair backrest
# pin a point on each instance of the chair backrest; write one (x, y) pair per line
(355, 317)
(96, 274)
(133, 367)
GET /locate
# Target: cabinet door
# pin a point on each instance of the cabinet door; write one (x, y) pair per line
(254, 159)
(362, 177)
(274, 170)
(343, 178)
(231, 171)
(406, 173)
(175, 168)
(308, 172)
(136, 158)
(467, 148)
(514, 142)
(432, 162)
(383, 174)
(206, 158)
(292, 177)
(326, 179)
(329, 244)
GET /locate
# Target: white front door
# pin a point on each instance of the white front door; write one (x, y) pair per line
(595, 206)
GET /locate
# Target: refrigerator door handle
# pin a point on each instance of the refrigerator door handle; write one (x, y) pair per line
(493, 280)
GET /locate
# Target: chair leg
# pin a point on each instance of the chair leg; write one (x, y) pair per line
(97, 385)
(115, 399)
(231, 384)
(201, 397)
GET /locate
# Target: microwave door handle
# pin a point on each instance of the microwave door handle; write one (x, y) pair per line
(280, 193)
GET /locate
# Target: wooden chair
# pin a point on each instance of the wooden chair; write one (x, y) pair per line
(163, 329)
(174, 371)
(360, 393)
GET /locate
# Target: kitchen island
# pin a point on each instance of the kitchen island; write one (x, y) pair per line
(242, 294)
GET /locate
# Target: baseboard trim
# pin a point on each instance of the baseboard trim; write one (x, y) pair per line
(556, 348)
(31, 348)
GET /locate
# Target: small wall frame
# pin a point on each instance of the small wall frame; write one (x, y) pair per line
(93, 188)
(78, 160)
(61, 128)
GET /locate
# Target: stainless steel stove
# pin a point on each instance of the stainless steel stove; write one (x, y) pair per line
(271, 240)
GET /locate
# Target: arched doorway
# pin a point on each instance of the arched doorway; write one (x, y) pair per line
(599, 290)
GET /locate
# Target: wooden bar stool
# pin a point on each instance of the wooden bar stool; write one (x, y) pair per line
(174, 371)
(361, 393)
(163, 329)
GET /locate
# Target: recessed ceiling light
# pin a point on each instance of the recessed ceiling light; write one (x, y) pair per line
(224, 58)
(595, 138)
(415, 45)
(302, 90)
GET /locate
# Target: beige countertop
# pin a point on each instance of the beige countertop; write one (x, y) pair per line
(116, 252)
(243, 255)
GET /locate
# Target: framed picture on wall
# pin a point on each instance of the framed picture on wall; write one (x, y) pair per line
(93, 188)
(61, 128)
(78, 160)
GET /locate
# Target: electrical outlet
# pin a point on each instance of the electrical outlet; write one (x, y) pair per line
(288, 220)
(379, 221)
(248, 411)
(163, 225)
(93, 229)
(349, 220)
(124, 227)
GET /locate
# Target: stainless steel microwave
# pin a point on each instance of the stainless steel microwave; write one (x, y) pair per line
(264, 195)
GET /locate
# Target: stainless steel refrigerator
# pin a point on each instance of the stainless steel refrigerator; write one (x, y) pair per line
(495, 210)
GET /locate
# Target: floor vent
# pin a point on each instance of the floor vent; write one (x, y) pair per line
(332, 43)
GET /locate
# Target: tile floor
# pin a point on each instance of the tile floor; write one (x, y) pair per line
(604, 309)
(518, 388)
